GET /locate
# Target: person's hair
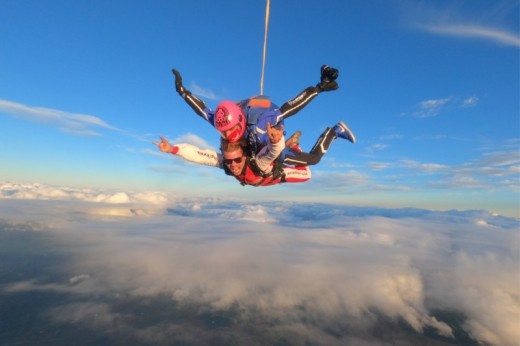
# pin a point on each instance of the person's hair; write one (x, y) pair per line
(227, 146)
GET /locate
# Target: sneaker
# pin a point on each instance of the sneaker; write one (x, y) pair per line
(344, 132)
(294, 140)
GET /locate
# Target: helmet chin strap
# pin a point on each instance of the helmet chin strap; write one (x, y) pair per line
(234, 136)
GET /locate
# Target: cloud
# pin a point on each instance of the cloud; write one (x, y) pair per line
(499, 159)
(37, 191)
(470, 102)
(433, 107)
(205, 93)
(79, 278)
(322, 272)
(459, 181)
(423, 167)
(430, 108)
(337, 180)
(73, 123)
(392, 187)
(494, 22)
(377, 147)
(379, 166)
(193, 139)
(475, 31)
(494, 170)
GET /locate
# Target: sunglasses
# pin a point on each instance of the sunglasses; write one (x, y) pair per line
(235, 160)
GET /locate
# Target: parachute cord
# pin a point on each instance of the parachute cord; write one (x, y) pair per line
(265, 46)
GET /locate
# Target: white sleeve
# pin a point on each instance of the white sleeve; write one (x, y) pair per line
(194, 154)
(268, 154)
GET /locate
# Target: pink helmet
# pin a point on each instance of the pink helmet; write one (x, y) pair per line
(227, 116)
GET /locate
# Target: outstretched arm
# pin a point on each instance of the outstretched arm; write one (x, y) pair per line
(327, 83)
(193, 101)
(294, 105)
(191, 153)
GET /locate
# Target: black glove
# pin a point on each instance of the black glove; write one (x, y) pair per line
(328, 79)
(178, 83)
(328, 74)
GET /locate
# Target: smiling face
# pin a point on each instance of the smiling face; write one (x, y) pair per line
(235, 161)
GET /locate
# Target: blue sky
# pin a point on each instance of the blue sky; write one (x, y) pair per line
(430, 89)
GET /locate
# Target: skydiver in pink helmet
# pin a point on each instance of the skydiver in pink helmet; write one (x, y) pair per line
(248, 118)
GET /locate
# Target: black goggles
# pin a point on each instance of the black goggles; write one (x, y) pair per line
(235, 160)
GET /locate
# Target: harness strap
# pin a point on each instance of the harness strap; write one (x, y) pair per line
(275, 173)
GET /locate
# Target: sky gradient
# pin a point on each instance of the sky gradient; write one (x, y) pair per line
(408, 237)
(430, 88)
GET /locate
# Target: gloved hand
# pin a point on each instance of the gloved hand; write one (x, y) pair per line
(328, 79)
(328, 74)
(178, 83)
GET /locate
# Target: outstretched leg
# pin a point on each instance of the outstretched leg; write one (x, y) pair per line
(301, 158)
(298, 158)
(193, 101)
(327, 83)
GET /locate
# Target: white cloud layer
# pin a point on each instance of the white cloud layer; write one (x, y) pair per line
(37, 191)
(311, 268)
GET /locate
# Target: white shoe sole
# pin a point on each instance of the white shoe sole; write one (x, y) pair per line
(351, 134)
